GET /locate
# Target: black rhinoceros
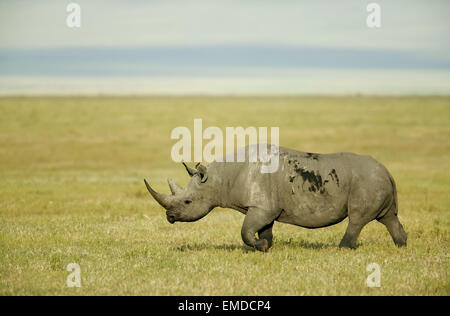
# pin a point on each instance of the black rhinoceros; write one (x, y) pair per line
(307, 190)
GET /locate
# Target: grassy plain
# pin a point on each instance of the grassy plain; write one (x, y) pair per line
(71, 190)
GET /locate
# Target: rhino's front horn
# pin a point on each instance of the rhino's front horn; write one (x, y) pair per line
(174, 188)
(163, 199)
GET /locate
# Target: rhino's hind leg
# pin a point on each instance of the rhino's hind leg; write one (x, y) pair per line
(351, 235)
(255, 221)
(362, 209)
(395, 229)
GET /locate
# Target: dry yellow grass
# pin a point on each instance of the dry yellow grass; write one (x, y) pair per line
(71, 190)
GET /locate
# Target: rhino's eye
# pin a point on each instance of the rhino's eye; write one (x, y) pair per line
(187, 202)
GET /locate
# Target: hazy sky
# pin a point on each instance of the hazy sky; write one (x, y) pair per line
(411, 25)
(277, 40)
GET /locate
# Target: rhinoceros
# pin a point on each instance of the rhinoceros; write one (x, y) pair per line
(308, 190)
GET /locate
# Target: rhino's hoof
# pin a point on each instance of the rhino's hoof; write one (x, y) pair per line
(262, 245)
(347, 246)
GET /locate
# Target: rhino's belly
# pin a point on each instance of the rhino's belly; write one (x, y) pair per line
(315, 212)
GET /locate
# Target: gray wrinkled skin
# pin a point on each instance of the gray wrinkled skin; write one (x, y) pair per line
(307, 190)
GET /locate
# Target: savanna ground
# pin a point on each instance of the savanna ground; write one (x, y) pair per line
(71, 190)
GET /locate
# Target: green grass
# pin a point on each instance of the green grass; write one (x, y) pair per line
(71, 190)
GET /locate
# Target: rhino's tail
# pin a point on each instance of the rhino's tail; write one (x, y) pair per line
(394, 205)
(391, 207)
(391, 220)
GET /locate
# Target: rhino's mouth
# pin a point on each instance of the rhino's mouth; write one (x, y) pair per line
(171, 219)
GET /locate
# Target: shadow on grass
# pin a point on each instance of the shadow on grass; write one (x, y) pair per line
(304, 244)
(225, 247)
(232, 247)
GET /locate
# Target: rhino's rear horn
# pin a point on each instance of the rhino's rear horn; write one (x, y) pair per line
(174, 188)
(163, 199)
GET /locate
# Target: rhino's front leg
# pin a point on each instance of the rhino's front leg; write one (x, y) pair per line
(258, 220)
(266, 233)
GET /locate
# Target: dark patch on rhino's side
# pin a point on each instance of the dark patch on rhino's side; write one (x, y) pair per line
(334, 176)
(312, 156)
(314, 179)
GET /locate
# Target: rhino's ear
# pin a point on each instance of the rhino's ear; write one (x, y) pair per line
(190, 170)
(202, 171)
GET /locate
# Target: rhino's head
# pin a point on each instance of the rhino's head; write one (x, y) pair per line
(188, 204)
